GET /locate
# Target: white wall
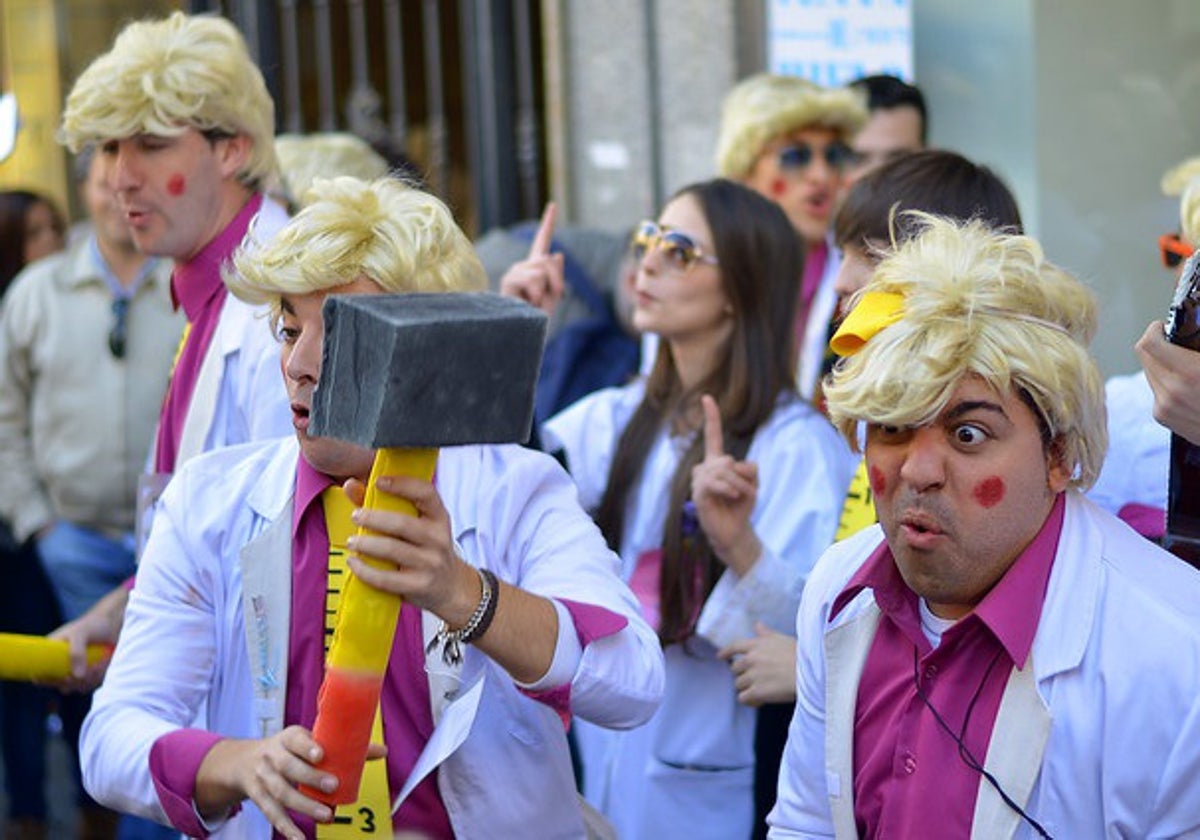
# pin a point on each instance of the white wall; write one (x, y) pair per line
(1081, 105)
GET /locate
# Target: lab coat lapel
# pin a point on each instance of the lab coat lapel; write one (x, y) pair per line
(1014, 755)
(266, 568)
(846, 648)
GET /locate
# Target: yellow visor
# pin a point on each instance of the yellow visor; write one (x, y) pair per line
(873, 312)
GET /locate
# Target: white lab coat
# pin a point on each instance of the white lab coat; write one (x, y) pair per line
(239, 395)
(689, 772)
(1139, 449)
(221, 550)
(1099, 737)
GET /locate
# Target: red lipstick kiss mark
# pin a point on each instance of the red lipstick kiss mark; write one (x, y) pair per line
(176, 185)
(990, 491)
(878, 482)
(777, 187)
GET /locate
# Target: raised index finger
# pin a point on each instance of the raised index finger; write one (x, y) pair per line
(714, 443)
(545, 232)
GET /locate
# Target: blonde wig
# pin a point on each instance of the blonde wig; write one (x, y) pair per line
(164, 76)
(399, 236)
(975, 302)
(1184, 181)
(764, 106)
(305, 157)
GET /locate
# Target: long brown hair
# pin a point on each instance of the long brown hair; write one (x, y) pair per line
(760, 262)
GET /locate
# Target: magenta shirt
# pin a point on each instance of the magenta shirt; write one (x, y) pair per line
(197, 286)
(814, 268)
(407, 718)
(909, 779)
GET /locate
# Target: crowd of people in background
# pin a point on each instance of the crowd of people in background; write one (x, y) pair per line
(827, 524)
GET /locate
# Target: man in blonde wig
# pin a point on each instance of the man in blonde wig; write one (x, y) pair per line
(789, 139)
(998, 657)
(184, 113)
(475, 748)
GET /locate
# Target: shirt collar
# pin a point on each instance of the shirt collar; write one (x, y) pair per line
(198, 280)
(105, 272)
(1012, 608)
(309, 486)
(880, 574)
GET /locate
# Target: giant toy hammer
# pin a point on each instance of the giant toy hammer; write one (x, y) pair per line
(406, 374)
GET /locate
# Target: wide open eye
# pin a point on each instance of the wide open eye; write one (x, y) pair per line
(969, 434)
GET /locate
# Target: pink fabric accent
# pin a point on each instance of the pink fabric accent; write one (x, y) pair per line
(174, 762)
(645, 585)
(909, 779)
(1150, 522)
(407, 715)
(591, 622)
(815, 259)
(197, 286)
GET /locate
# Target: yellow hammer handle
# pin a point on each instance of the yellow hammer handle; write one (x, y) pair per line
(367, 617)
(30, 658)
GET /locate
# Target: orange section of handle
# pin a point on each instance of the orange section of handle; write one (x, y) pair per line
(347, 699)
(362, 642)
(30, 658)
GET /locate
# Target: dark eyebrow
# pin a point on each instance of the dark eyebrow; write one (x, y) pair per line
(968, 406)
(285, 305)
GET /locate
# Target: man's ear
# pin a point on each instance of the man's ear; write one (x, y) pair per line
(1057, 469)
(233, 153)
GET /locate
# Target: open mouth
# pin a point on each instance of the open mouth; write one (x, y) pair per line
(300, 416)
(919, 529)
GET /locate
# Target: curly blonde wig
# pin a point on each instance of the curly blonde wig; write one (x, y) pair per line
(399, 236)
(164, 76)
(305, 157)
(978, 303)
(763, 107)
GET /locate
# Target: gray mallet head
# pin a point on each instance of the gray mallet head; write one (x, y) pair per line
(427, 370)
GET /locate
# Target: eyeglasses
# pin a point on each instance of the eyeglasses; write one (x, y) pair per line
(1173, 249)
(799, 156)
(679, 251)
(116, 335)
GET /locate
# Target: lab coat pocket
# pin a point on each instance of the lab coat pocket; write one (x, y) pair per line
(697, 803)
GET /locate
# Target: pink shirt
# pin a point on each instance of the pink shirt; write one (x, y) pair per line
(909, 778)
(197, 286)
(814, 268)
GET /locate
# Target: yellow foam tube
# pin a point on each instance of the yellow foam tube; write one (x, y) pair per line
(36, 658)
(362, 642)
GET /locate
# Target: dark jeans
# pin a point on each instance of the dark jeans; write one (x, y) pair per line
(27, 605)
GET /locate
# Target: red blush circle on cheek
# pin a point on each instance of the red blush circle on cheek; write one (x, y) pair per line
(878, 482)
(778, 186)
(990, 491)
(176, 185)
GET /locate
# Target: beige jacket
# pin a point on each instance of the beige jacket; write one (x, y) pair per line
(76, 423)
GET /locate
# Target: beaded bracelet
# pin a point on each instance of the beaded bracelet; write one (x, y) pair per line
(480, 620)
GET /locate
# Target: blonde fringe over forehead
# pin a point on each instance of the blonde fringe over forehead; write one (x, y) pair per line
(978, 303)
(765, 106)
(1183, 180)
(164, 76)
(399, 236)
